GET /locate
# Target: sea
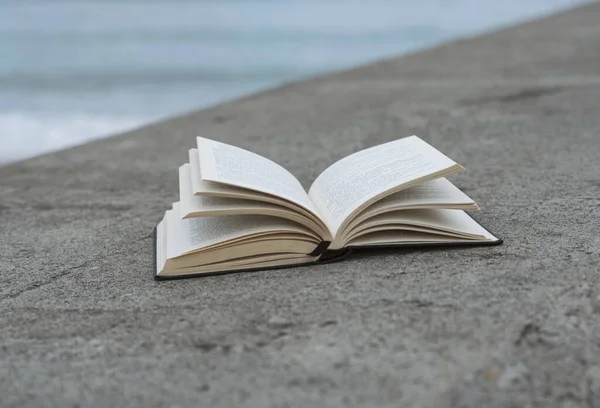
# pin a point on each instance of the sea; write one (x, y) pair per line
(75, 70)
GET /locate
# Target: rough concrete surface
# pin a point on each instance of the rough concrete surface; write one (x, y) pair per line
(84, 324)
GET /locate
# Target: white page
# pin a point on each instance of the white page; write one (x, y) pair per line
(198, 206)
(363, 176)
(206, 188)
(406, 237)
(446, 220)
(439, 191)
(435, 194)
(191, 203)
(222, 163)
(185, 235)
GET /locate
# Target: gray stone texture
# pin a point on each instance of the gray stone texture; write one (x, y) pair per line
(84, 324)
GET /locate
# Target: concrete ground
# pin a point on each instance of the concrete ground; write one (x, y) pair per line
(84, 324)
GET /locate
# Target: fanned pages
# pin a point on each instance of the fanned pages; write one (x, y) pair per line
(229, 165)
(356, 181)
(240, 211)
(204, 206)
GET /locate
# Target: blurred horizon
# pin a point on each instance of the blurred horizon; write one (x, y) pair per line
(77, 70)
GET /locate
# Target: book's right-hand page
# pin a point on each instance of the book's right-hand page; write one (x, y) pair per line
(438, 193)
(354, 182)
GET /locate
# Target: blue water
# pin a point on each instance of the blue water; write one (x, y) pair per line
(73, 70)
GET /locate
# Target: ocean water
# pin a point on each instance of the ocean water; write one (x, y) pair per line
(73, 70)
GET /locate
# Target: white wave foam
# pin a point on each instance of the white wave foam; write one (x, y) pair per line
(25, 134)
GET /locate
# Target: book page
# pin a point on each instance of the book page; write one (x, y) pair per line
(242, 264)
(191, 203)
(452, 221)
(207, 188)
(403, 237)
(434, 194)
(186, 235)
(358, 179)
(203, 206)
(437, 192)
(222, 163)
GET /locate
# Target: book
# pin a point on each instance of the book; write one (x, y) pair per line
(239, 211)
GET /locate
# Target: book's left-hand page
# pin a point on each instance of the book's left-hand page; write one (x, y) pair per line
(205, 205)
(213, 244)
(226, 164)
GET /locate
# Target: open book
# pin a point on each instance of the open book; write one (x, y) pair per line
(240, 211)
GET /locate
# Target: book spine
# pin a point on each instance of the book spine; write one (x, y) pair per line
(322, 247)
(334, 255)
